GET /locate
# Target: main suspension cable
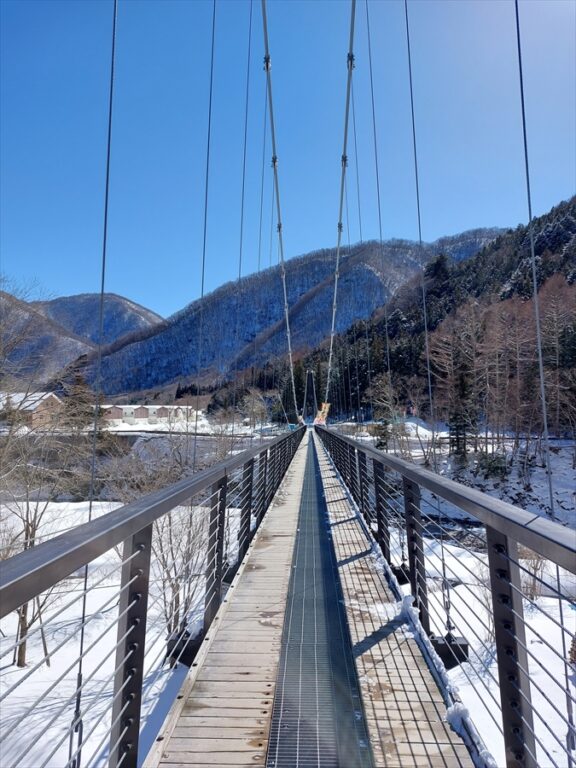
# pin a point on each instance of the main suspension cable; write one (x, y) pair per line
(267, 68)
(344, 160)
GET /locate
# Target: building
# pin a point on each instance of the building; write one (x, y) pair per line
(31, 409)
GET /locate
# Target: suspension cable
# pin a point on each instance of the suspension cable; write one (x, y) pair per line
(356, 163)
(305, 396)
(344, 160)
(77, 724)
(571, 733)
(314, 395)
(417, 182)
(242, 199)
(267, 68)
(203, 269)
(377, 168)
(534, 273)
(262, 174)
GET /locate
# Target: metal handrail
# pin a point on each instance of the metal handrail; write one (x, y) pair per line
(55, 559)
(245, 483)
(546, 537)
(363, 470)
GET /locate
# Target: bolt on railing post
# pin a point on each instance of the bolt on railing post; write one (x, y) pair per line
(214, 567)
(246, 510)
(510, 635)
(416, 561)
(383, 532)
(131, 638)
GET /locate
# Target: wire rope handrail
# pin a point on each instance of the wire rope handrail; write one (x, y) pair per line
(480, 595)
(154, 612)
(57, 558)
(546, 537)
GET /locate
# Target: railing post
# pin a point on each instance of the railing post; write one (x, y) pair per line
(271, 485)
(363, 485)
(335, 450)
(511, 652)
(352, 467)
(131, 638)
(416, 562)
(214, 566)
(383, 532)
(263, 466)
(246, 510)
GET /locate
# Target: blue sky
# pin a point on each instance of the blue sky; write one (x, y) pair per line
(54, 79)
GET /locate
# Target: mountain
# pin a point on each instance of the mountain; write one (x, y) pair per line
(79, 315)
(242, 323)
(33, 348)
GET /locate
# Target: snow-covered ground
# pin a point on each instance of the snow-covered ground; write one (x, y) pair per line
(459, 577)
(40, 699)
(525, 483)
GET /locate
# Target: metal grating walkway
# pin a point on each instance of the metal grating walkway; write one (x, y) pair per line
(317, 718)
(308, 653)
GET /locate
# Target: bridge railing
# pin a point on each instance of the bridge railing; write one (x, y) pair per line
(494, 589)
(107, 610)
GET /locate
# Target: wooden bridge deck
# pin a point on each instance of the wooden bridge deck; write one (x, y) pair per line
(223, 716)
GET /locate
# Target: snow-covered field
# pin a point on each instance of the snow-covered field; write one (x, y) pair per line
(525, 483)
(39, 703)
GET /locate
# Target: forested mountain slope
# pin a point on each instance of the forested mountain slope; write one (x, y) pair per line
(33, 347)
(242, 323)
(80, 315)
(483, 348)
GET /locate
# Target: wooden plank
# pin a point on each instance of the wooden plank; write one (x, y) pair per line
(224, 716)
(239, 744)
(228, 713)
(213, 729)
(212, 759)
(403, 707)
(199, 721)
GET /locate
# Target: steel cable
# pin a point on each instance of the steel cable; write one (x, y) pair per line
(205, 231)
(344, 161)
(267, 68)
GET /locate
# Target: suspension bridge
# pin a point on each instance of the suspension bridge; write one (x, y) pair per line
(307, 602)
